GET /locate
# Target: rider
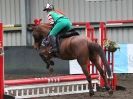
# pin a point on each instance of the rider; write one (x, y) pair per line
(59, 22)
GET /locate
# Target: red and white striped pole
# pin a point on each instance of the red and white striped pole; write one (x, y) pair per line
(47, 80)
(1, 63)
(102, 37)
(110, 55)
(91, 35)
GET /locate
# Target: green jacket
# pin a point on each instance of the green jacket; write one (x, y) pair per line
(54, 16)
(60, 23)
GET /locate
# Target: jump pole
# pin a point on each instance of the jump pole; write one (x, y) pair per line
(1, 63)
(2, 91)
(90, 31)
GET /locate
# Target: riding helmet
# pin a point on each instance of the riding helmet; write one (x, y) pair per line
(48, 7)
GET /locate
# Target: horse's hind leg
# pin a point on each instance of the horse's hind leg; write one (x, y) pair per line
(95, 61)
(88, 76)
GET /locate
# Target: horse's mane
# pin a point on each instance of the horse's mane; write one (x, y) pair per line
(47, 25)
(43, 28)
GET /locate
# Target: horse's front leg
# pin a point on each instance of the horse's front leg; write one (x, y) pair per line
(49, 66)
(49, 63)
(87, 74)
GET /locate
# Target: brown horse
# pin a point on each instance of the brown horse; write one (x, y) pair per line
(74, 47)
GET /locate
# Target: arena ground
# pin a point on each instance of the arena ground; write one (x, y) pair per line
(125, 80)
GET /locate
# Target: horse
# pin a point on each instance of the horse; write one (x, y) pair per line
(75, 47)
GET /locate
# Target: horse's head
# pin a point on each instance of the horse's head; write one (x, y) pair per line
(39, 32)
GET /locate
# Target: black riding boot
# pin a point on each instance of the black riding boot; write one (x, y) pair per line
(53, 43)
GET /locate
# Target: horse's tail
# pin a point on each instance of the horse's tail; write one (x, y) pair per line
(101, 53)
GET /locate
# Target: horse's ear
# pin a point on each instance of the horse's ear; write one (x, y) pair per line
(37, 21)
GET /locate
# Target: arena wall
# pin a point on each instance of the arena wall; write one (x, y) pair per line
(25, 11)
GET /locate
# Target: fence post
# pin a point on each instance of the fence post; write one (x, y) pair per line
(1, 63)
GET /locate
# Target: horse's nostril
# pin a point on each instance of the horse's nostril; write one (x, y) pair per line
(36, 48)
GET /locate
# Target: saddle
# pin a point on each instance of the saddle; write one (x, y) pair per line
(69, 33)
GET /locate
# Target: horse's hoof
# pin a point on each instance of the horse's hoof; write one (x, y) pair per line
(110, 92)
(51, 70)
(91, 93)
(51, 63)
